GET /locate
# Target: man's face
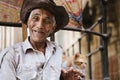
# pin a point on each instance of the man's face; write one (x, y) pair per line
(41, 24)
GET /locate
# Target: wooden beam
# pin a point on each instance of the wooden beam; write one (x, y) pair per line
(24, 31)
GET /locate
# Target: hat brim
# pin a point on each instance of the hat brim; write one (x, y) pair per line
(61, 16)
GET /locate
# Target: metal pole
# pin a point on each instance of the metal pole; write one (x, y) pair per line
(105, 41)
(73, 49)
(79, 40)
(101, 49)
(89, 57)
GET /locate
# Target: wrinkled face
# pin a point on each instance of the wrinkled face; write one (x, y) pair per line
(41, 24)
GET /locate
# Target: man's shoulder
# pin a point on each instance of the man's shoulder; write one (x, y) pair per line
(56, 44)
(9, 53)
(57, 48)
(11, 49)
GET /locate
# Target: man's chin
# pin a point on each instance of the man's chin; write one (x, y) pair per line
(39, 40)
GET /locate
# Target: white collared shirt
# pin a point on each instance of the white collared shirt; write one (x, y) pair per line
(23, 62)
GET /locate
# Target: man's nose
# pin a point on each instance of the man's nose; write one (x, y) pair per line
(40, 24)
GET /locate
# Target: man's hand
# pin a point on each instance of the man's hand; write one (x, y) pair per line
(71, 74)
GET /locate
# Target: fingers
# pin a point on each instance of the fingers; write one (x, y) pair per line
(63, 72)
(72, 74)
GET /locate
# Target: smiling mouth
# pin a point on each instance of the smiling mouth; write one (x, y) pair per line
(41, 32)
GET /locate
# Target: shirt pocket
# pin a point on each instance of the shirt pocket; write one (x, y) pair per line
(27, 72)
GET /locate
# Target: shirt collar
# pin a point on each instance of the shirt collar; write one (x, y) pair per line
(51, 46)
(27, 46)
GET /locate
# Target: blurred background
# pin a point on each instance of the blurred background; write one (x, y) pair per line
(86, 17)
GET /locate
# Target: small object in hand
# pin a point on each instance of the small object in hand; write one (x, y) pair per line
(75, 65)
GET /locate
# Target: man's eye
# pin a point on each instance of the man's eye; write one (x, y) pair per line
(35, 18)
(48, 21)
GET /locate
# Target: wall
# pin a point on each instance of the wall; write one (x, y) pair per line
(9, 12)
